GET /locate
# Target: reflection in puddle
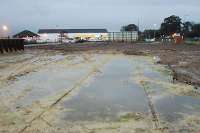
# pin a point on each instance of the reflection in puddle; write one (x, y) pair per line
(171, 107)
(110, 94)
(115, 93)
(45, 83)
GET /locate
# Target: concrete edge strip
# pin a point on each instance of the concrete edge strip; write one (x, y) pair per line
(64, 95)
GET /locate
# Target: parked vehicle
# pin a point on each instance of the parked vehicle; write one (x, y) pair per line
(69, 40)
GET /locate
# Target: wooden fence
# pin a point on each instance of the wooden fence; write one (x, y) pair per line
(11, 45)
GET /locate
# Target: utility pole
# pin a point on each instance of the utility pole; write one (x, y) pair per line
(184, 21)
(155, 30)
(61, 35)
(138, 27)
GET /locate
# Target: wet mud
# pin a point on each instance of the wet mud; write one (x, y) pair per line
(93, 93)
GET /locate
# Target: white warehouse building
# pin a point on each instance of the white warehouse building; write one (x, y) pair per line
(55, 35)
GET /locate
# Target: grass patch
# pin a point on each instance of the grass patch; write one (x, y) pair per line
(145, 85)
(164, 71)
(131, 116)
(193, 42)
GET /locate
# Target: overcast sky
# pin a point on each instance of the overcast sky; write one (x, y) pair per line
(110, 14)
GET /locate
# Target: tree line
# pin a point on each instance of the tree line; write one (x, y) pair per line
(170, 25)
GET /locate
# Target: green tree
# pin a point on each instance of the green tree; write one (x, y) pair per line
(171, 25)
(130, 27)
(187, 27)
(196, 30)
(191, 30)
(149, 33)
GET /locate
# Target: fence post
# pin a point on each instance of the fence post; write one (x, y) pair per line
(126, 37)
(1, 46)
(122, 36)
(113, 36)
(6, 45)
(10, 45)
(131, 37)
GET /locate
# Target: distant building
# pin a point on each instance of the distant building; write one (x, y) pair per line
(130, 36)
(27, 35)
(55, 35)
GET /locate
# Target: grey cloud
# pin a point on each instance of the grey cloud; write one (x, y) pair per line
(111, 14)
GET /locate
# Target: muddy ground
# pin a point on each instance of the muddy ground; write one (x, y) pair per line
(182, 59)
(94, 88)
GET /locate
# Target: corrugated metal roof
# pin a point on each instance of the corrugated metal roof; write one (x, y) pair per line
(72, 31)
(25, 33)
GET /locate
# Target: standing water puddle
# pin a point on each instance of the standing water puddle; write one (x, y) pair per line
(171, 107)
(117, 90)
(110, 94)
(175, 110)
(114, 93)
(47, 83)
